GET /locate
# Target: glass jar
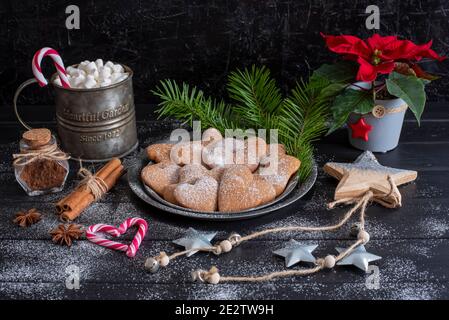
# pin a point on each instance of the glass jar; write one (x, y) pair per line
(40, 167)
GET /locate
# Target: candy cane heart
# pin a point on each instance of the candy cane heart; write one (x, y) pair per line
(92, 234)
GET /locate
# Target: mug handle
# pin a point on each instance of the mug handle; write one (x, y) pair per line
(16, 96)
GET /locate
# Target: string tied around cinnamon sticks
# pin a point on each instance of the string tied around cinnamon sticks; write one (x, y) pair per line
(48, 152)
(391, 199)
(90, 189)
(94, 183)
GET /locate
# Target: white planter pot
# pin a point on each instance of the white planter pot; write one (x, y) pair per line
(386, 131)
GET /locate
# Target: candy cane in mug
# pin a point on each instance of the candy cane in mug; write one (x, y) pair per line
(57, 60)
(131, 249)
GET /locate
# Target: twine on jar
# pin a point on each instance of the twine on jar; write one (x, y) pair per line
(50, 152)
(96, 185)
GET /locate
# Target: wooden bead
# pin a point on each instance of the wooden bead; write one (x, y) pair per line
(226, 245)
(329, 262)
(163, 259)
(364, 236)
(214, 278)
(151, 265)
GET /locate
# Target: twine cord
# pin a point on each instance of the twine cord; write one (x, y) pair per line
(390, 199)
(49, 152)
(95, 184)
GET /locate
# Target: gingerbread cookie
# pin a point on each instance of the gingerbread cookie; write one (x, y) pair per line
(198, 195)
(159, 152)
(276, 147)
(221, 153)
(255, 149)
(158, 176)
(266, 191)
(191, 172)
(239, 190)
(216, 173)
(184, 153)
(278, 170)
(211, 135)
(169, 193)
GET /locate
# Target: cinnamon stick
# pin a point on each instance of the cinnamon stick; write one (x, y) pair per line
(86, 200)
(83, 191)
(74, 204)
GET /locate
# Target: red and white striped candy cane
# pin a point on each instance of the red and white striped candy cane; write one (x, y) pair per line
(131, 249)
(36, 66)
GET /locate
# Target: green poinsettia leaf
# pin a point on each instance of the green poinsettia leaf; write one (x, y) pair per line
(359, 101)
(332, 90)
(410, 89)
(340, 72)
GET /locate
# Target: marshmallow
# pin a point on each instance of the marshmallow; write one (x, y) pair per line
(91, 68)
(105, 83)
(105, 73)
(78, 81)
(94, 74)
(117, 68)
(90, 83)
(71, 70)
(57, 81)
(99, 63)
(115, 76)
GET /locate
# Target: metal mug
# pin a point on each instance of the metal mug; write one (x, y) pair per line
(93, 124)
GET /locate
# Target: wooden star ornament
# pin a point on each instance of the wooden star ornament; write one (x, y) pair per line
(366, 174)
(360, 129)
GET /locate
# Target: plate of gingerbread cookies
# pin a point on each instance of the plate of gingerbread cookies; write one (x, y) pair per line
(218, 178)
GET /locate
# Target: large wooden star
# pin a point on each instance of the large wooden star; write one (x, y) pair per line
(365, 174)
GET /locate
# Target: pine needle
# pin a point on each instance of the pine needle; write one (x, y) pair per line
(257, 102)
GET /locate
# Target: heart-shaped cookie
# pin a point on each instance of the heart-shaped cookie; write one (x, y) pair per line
(254, 150)
(169, 193)
(184, 153)
(278, 170)
(192, 172)
(159, 152)
(222, 152)
(239, 190)
(158, 176)
(92, 234)
(198, 195)
(210, 135)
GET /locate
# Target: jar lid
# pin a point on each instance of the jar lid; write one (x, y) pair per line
(36, 138)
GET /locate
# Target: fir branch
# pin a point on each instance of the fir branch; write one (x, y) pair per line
(256, 95)
(303, 121)
(189, 104)
(300, 118)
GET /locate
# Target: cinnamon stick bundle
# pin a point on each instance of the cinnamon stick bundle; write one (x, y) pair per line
(71, 206)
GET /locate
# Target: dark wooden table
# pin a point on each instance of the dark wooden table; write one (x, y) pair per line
(413, 241)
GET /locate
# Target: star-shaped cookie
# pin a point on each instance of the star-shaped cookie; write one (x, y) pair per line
(365, 174)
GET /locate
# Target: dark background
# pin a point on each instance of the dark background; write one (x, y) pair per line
(201, 41)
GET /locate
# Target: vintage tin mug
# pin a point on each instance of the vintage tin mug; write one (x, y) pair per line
(94, 124)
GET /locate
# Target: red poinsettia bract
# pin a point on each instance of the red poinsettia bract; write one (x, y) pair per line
(378, 54)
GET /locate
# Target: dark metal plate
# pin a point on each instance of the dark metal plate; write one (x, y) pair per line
(295, 192)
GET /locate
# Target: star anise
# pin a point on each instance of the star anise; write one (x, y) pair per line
(65, 234)
(27, 218)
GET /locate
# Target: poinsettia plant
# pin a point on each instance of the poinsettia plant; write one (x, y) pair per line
(389, 65)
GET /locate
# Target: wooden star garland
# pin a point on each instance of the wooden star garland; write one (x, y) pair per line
(361, 182)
